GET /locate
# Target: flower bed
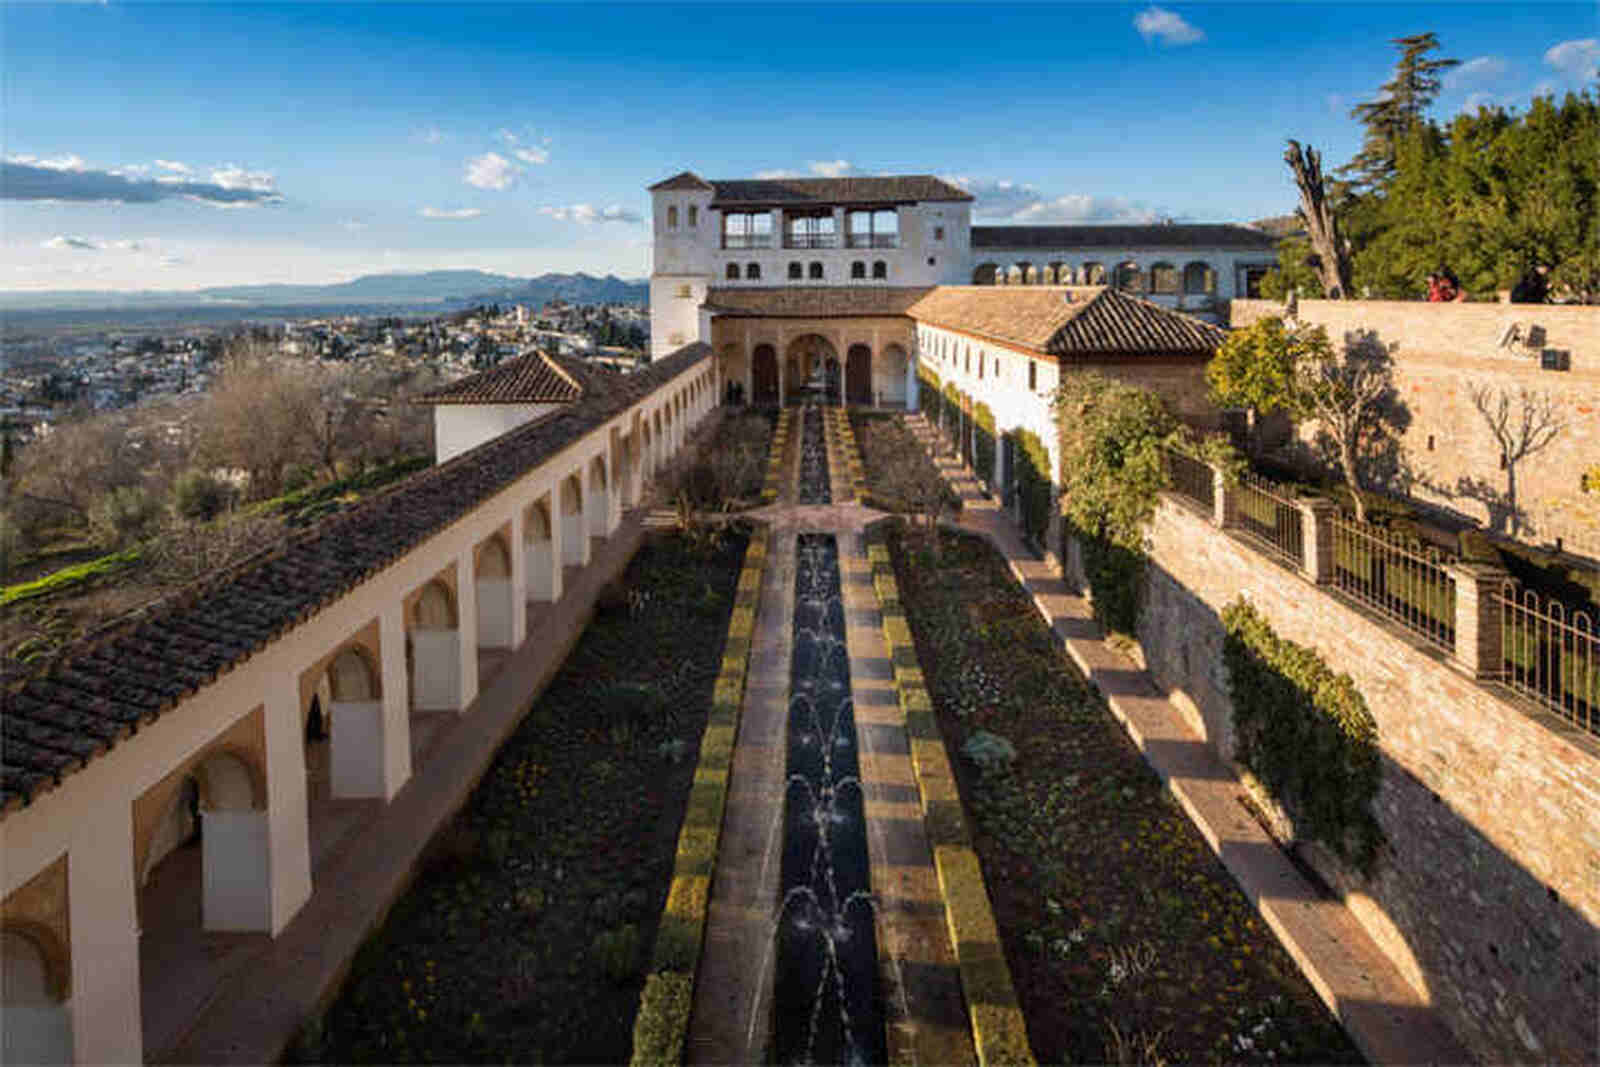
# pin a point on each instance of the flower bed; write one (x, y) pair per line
(527, 932)
(1126, 938)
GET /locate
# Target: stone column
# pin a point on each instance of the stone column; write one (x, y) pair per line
(106, 1023)
(1478, 618)
(467, 625)
(396, 698)
(288, 831)
(519, 577)
(1316, 524)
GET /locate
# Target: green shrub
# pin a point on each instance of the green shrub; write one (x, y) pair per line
(124, 515)
(1032, 476)
(1306, 733)
(198, 496)
(663, 1020)
(69, 577)
(983, 441)
(1116, 577)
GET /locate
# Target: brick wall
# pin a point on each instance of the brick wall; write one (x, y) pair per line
(1444, 351)
(1487, 893)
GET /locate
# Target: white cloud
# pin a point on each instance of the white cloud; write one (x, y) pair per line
(828, 168)
(1169, 27)
(457, 213)
(232, 176)
(63, 243)
(67, 162)
(491, 171)
(1484, 70)
(182, 169)
(588, 214)
(999, 200)
(528, 153)
(1578, 58)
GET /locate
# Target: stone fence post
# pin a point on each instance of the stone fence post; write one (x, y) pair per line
(1222, 505)
(1316, 519)
(1479, 626)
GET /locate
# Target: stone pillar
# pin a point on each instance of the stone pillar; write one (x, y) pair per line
(467, 626)
(396, 699)
(519, 578)
(288, 831)
(1478, 618)
(1222, 500)
(557, 533)
(1316, 525)
(106, 1023)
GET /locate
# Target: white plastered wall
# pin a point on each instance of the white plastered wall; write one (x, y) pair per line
(89, 816)
(459, 428)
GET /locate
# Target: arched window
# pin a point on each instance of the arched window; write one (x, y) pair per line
(1130, 278)
(816, 271)
(733, 272)
(880, 269)
(672, 216)
(1163, 278)
(752, 271)
(797, 271)
(1094, 273)
(1058, 273)
(858, 269)
(1199, 279)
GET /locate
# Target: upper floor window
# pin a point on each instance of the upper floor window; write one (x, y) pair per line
(1033, 376)
(733, 272)
(1199, 278)
(811, 229)
(694, 216)
(672, 216)
(1129, 277)
(816, 271)
(747, 229)
(752, 271)
(858, 269)
(797, 271)
(684, 293)
(872, 229)
(880, 269)
(938, 233)
(1163, 278)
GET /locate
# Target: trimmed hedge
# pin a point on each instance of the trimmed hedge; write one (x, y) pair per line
(999, 1031)
(662, 1024)
(70, 577)
(1306, 733)
(984, 441)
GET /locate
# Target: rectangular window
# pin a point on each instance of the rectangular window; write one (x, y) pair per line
(694, 215)
(938, 232)
(1033, 376)
(872, 229)
(747, 229)
(814, 230)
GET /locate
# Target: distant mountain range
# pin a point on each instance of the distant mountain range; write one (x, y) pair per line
(444, 289)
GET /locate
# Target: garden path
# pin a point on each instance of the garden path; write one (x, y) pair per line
(1389, 1020)
(732, 1011)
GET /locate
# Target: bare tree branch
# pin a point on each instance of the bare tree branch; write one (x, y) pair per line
(1322, 227)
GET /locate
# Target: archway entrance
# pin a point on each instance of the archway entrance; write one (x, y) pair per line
(858, 375)
(764, 372)
(813, 369)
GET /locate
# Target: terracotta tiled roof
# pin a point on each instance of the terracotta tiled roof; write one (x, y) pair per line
(1125, 238)
(101, 689)
(1114, 323)
(686, 180)
(1067, 320)
(803, 302)
(536, 378)
(900, 189)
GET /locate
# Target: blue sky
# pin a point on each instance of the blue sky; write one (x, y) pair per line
(164, 145)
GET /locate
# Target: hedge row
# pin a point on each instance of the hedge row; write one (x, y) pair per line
(843, 449)
(999, 1033)
(662, 1025)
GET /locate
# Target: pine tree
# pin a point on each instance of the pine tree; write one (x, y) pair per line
(1399, 107)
